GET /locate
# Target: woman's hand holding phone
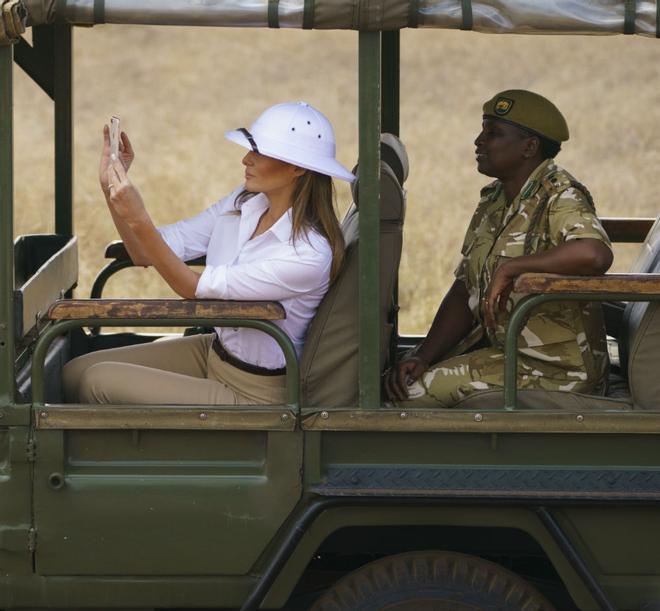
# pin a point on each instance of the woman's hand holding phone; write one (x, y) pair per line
(124, 153)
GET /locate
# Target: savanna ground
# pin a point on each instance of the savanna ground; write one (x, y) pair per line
(177, 90)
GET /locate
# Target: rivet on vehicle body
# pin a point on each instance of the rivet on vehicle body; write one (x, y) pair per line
(325, 415)
(284, 417)
(43, 414)
(203, 416)
(2, 414)
(403, 415)
(478, 417)
(580, 418)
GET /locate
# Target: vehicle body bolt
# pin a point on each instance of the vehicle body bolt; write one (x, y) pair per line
(478, 417)
(203, 416)
(580, 418)
(403, 415)
(43, 414)
(284, 417)
(325, 415)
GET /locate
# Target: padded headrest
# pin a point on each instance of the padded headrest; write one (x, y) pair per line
(393, 155)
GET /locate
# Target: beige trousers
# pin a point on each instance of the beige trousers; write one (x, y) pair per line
(180, 371)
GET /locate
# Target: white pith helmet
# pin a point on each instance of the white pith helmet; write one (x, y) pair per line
(297, 133)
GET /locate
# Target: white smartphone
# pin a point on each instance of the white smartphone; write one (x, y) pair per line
(114, 136)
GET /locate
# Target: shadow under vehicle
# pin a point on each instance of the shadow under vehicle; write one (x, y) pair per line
(513, 501)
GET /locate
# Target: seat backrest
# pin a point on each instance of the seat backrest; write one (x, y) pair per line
(329, 364)
(641, 343)
(644, 264)
(649, 250)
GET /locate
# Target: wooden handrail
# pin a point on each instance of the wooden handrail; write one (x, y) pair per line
(72, 309)
(616, 284)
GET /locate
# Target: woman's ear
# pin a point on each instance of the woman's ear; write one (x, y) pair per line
(298, 171)
(532, 146)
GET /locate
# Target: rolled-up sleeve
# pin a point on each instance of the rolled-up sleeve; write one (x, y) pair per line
(572, 218)
(272, 279)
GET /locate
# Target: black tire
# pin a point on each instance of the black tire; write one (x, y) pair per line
(432, 581)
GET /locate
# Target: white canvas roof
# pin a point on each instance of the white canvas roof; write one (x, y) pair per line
(499, 16)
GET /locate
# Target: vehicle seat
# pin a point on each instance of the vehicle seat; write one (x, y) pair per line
(640, 343)
(615, 310)
(645, 262)
(329, 364)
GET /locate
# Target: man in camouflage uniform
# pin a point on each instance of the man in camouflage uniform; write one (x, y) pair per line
(562, 346)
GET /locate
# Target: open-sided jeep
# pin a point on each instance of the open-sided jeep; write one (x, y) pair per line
(523, 500)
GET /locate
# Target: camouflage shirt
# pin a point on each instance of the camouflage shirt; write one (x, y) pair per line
(568, 335)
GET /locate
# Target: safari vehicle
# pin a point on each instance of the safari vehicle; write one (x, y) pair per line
(521, 500)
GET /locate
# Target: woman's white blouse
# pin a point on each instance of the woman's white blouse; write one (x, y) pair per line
(269, 267)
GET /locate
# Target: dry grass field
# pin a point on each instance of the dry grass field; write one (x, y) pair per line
(177, 90)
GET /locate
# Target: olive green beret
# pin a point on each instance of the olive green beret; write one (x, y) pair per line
(529, 110)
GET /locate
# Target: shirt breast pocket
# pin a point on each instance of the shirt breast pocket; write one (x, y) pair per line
(510, 246)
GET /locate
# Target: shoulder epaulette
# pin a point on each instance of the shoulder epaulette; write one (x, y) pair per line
(559, 180)
(490, 188)
(554, 180)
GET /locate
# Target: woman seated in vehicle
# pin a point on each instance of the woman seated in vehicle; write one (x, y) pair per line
(275, 238)
(535, 217)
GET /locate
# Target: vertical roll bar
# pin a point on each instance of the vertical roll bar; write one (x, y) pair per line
(369, 198)
(390, 81)
(6, 228)
(63, 130)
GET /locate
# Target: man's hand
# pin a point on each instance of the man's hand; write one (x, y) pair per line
(403, 374)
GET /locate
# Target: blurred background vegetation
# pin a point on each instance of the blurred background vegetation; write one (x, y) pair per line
(177, 90)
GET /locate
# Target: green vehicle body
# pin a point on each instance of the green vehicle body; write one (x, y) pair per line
(219, 507)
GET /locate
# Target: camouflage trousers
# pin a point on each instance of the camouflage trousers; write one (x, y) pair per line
(447, 382)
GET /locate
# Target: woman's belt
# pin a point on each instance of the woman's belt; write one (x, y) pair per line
(225, 356)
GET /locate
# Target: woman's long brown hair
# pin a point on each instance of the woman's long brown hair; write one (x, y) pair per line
(313, 204)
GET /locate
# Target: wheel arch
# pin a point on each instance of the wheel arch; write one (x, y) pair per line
(356, 525)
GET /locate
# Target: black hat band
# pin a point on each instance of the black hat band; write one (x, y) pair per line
(250, 139)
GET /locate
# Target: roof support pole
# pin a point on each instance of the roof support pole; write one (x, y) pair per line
(369, 198)
(63, 86)
(390, 82)
(6, 228)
